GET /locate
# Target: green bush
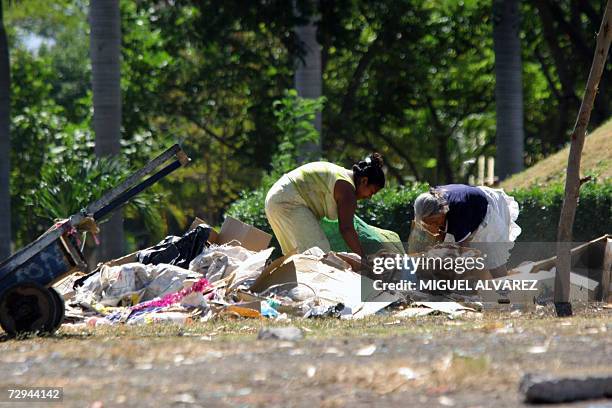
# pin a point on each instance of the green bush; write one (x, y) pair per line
(392, 209)
(295, 117)
(540, 209)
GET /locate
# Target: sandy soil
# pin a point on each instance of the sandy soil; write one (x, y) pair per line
(470, 361)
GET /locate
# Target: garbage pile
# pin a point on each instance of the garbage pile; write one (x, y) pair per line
(202, 275)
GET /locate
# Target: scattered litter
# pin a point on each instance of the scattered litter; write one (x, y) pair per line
(393, 323)
(184, 399)
(446, 401)
(311, 371)
(333, 350)
(325, 311)
(414, 312)
(425, 308)
(537, 349)
(202, 275)
(550, 389)
(289, 333)
(407, 373)
(161, 317)
(366, 351)
(241, 311)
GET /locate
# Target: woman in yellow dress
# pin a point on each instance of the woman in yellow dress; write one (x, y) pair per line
(301, 198)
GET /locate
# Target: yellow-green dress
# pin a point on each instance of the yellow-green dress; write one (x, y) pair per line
(299, 200)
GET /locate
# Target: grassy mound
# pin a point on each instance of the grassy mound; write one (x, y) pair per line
(596, 161)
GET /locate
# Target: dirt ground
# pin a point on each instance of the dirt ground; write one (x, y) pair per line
(475, 360)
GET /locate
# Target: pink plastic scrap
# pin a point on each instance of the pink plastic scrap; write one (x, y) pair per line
(173, 298)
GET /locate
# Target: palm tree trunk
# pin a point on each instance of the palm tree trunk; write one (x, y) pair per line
(105, 48)
(308, 79)
(508, 87)
(5, 143)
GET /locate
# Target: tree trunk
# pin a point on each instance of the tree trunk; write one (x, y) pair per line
(308, 79)
(5, 143)
(566, 77)
(508, 87)
(572, 180)
(105, 48)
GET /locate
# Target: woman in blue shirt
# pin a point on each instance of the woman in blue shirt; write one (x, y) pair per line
(481, 216)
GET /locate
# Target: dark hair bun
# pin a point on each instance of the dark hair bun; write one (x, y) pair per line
(376, 160)
(372, 168)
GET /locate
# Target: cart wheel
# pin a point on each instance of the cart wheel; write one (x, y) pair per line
(26, 308)
(60, 308)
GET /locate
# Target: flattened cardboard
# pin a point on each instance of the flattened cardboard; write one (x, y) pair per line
(331, 284)
(249, 237)
(250, 267)
(278, 272)
(265, 280)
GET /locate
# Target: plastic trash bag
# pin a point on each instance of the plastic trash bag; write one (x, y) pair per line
(372, 239)
(179, 251)
(165, 279)
(325, 311)
(122, 284)
(216, 262)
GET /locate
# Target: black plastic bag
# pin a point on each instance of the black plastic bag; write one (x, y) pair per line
(174, 250)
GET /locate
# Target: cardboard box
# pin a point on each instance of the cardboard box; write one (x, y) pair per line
(249, 237)
(592, 260)
(581, 289)
(606, 278)
(329, 284)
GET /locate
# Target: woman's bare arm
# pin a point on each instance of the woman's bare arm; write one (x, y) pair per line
(344, 194)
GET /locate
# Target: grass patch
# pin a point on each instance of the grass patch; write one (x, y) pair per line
(596, 161)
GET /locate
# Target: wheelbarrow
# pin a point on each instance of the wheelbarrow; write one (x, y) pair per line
(28, 302)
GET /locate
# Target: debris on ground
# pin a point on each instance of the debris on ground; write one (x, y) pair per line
(289, 333)
(203, 275)
(554, 390)
(426, 308)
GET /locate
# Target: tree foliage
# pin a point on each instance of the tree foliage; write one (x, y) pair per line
(411, 79)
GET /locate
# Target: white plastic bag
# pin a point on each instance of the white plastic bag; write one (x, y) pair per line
(165, 279)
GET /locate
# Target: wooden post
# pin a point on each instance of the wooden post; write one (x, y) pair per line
(481, 170)
(490, 171)
(572, 180)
